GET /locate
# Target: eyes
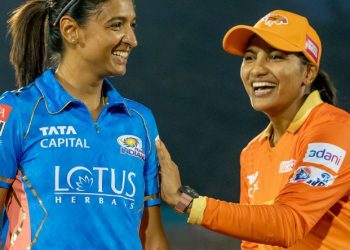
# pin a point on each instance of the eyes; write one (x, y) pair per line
(274, 56)
(120, 24)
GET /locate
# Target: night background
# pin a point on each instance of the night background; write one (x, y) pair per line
(182, 73)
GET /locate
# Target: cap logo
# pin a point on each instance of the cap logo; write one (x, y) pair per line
(271, 19)
(311, 48)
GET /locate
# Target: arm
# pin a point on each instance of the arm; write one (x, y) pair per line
(301, 203)
(151, 231)
(298, 207)
(3, 195)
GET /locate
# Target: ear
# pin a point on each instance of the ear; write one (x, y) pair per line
(69, 30)
(310, 74)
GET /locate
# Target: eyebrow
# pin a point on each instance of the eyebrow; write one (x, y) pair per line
(117, 18)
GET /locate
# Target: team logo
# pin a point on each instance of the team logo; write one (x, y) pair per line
(271, 19)
(253, 184)
(312, 176)
(5, 111)
(286, 166)
(131, 145)
(311, 48)
(328, 155)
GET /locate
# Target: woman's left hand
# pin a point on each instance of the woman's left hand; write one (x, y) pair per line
(169, 176)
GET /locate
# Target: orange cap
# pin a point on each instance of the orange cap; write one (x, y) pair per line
(281, 29)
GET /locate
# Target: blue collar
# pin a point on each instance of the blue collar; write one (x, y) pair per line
(56, 98)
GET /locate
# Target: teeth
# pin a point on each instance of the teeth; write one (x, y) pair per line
(263, 84)
(122, 54)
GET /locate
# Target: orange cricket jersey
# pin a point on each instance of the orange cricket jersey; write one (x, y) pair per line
(300, 188)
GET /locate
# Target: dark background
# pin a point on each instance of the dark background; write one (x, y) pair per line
(193, 87)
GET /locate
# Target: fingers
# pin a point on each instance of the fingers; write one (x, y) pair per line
(162, 151)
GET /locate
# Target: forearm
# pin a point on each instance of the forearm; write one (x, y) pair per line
(266, 224)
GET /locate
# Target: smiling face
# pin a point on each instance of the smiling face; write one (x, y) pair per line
(275, 81)
(105, 42)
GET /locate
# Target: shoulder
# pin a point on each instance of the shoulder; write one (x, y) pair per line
(326, 113)
(328, 120)
(139, 109)
(20, 102)
(22, 96)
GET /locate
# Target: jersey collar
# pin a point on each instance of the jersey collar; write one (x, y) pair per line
(310, 103)
(56, 98)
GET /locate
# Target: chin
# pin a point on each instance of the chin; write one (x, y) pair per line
(118, 72)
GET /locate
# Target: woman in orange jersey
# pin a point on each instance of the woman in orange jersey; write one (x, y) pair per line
(295, 175)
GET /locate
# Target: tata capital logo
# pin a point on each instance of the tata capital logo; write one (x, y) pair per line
(131, 145)
(61, 137)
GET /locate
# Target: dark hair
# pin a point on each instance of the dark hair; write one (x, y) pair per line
(325, 86)
(35, 37)
(322, 83)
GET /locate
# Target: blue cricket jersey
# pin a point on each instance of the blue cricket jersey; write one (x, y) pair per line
(75, 183)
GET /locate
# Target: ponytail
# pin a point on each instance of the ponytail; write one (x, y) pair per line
(28, 54)
(325, 86)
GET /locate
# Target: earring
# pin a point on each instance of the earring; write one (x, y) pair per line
(73, 41)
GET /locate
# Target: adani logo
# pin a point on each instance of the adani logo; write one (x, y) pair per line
(328, 155)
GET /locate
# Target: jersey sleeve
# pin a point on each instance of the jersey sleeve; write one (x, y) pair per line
(151, 179)
(321, 179)
(10, 139)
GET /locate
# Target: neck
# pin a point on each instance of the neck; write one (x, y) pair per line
(89, 92)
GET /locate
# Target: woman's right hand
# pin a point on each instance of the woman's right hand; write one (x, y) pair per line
(169, 176)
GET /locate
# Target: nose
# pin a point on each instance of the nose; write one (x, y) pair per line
(130, 37)
(259, 67)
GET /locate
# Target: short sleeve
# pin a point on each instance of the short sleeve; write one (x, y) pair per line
(151, 178)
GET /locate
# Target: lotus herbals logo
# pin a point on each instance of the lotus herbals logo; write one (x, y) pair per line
(131, 145)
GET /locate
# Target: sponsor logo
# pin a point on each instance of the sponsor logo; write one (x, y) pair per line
(312, 176)
(98, 184)
(311, 48)
(131, 145)
(325, 154)
(61, 136)
(5, 111)
(253, 184)
(286, 166)
(271, 19)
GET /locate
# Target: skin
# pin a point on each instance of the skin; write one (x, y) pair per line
(289, 80)
(89, 49)
(88, 58)
(289, 77)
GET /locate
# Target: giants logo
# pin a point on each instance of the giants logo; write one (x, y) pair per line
(271, 19)
(325, 154)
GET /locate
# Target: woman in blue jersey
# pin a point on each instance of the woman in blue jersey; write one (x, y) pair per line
(78, 167)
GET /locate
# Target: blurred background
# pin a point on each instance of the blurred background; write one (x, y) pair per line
(181, 72)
